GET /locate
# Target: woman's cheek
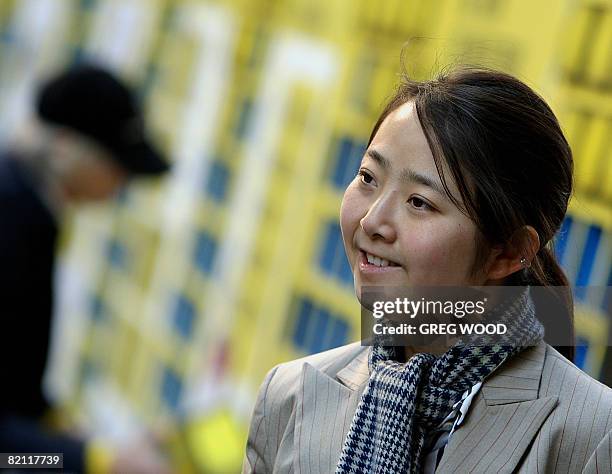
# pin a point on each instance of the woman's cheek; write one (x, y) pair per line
(351, 211)
(349, 220)
(438, 253)
(431, 254)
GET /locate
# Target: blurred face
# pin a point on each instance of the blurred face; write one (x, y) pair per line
(86, 171)
(398, 225)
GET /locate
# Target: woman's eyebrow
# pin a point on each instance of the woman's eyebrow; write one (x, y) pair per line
(411, 176)
(381, 160)
(408, 175)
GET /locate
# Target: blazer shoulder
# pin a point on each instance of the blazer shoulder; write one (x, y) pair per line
(561, 377)
(284, 380)
(331, 359)
(330, 362)
(273, 418)
(584, 410)
(578, 431)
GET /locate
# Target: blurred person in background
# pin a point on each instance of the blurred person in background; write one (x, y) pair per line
(86, 141)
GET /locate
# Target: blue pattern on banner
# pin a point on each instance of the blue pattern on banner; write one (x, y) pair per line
(184, 316)
(586, 263)
(205, 251)
(117, 253)
(347, 160)
(300, 332)
(582, 350)
(216, 187)
(316, 329)
(330, 244)
(171, 388)
(97, 308)
(562, 238)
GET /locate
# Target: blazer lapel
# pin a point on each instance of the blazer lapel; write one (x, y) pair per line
(503, 419)
(324, 410)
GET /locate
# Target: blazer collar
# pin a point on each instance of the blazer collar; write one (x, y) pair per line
(518, 380)
(356, 373)
(515, 381)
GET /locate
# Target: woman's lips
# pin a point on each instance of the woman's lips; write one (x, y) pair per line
(366, 267)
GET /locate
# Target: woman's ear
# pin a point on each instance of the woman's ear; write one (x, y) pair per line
(515, 255)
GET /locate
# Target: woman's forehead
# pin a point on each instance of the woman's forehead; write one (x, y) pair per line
(401, 135)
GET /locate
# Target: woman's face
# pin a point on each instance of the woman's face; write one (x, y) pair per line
(398, 225)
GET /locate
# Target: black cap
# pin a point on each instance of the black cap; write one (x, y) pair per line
(92, 101)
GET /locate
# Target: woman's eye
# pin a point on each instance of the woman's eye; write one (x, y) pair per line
(418, 203)
(366, 177)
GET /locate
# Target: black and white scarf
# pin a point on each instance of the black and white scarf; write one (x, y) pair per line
(404, 402)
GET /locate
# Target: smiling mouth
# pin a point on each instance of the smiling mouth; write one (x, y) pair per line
(371, 261)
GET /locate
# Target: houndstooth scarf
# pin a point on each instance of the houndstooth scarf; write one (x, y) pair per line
(403, 402)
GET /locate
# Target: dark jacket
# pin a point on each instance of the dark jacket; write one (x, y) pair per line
(28, 236)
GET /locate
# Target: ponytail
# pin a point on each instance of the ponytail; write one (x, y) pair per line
(545, 271)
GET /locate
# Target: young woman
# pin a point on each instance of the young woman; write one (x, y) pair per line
(465, 181)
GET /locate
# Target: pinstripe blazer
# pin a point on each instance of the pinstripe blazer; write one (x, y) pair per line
(536, 413)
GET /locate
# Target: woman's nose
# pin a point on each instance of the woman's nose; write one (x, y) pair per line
(378, 223)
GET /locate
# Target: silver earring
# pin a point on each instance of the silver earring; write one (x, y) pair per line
(524, 262)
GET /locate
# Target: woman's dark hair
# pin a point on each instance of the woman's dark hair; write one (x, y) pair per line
(512, 164)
